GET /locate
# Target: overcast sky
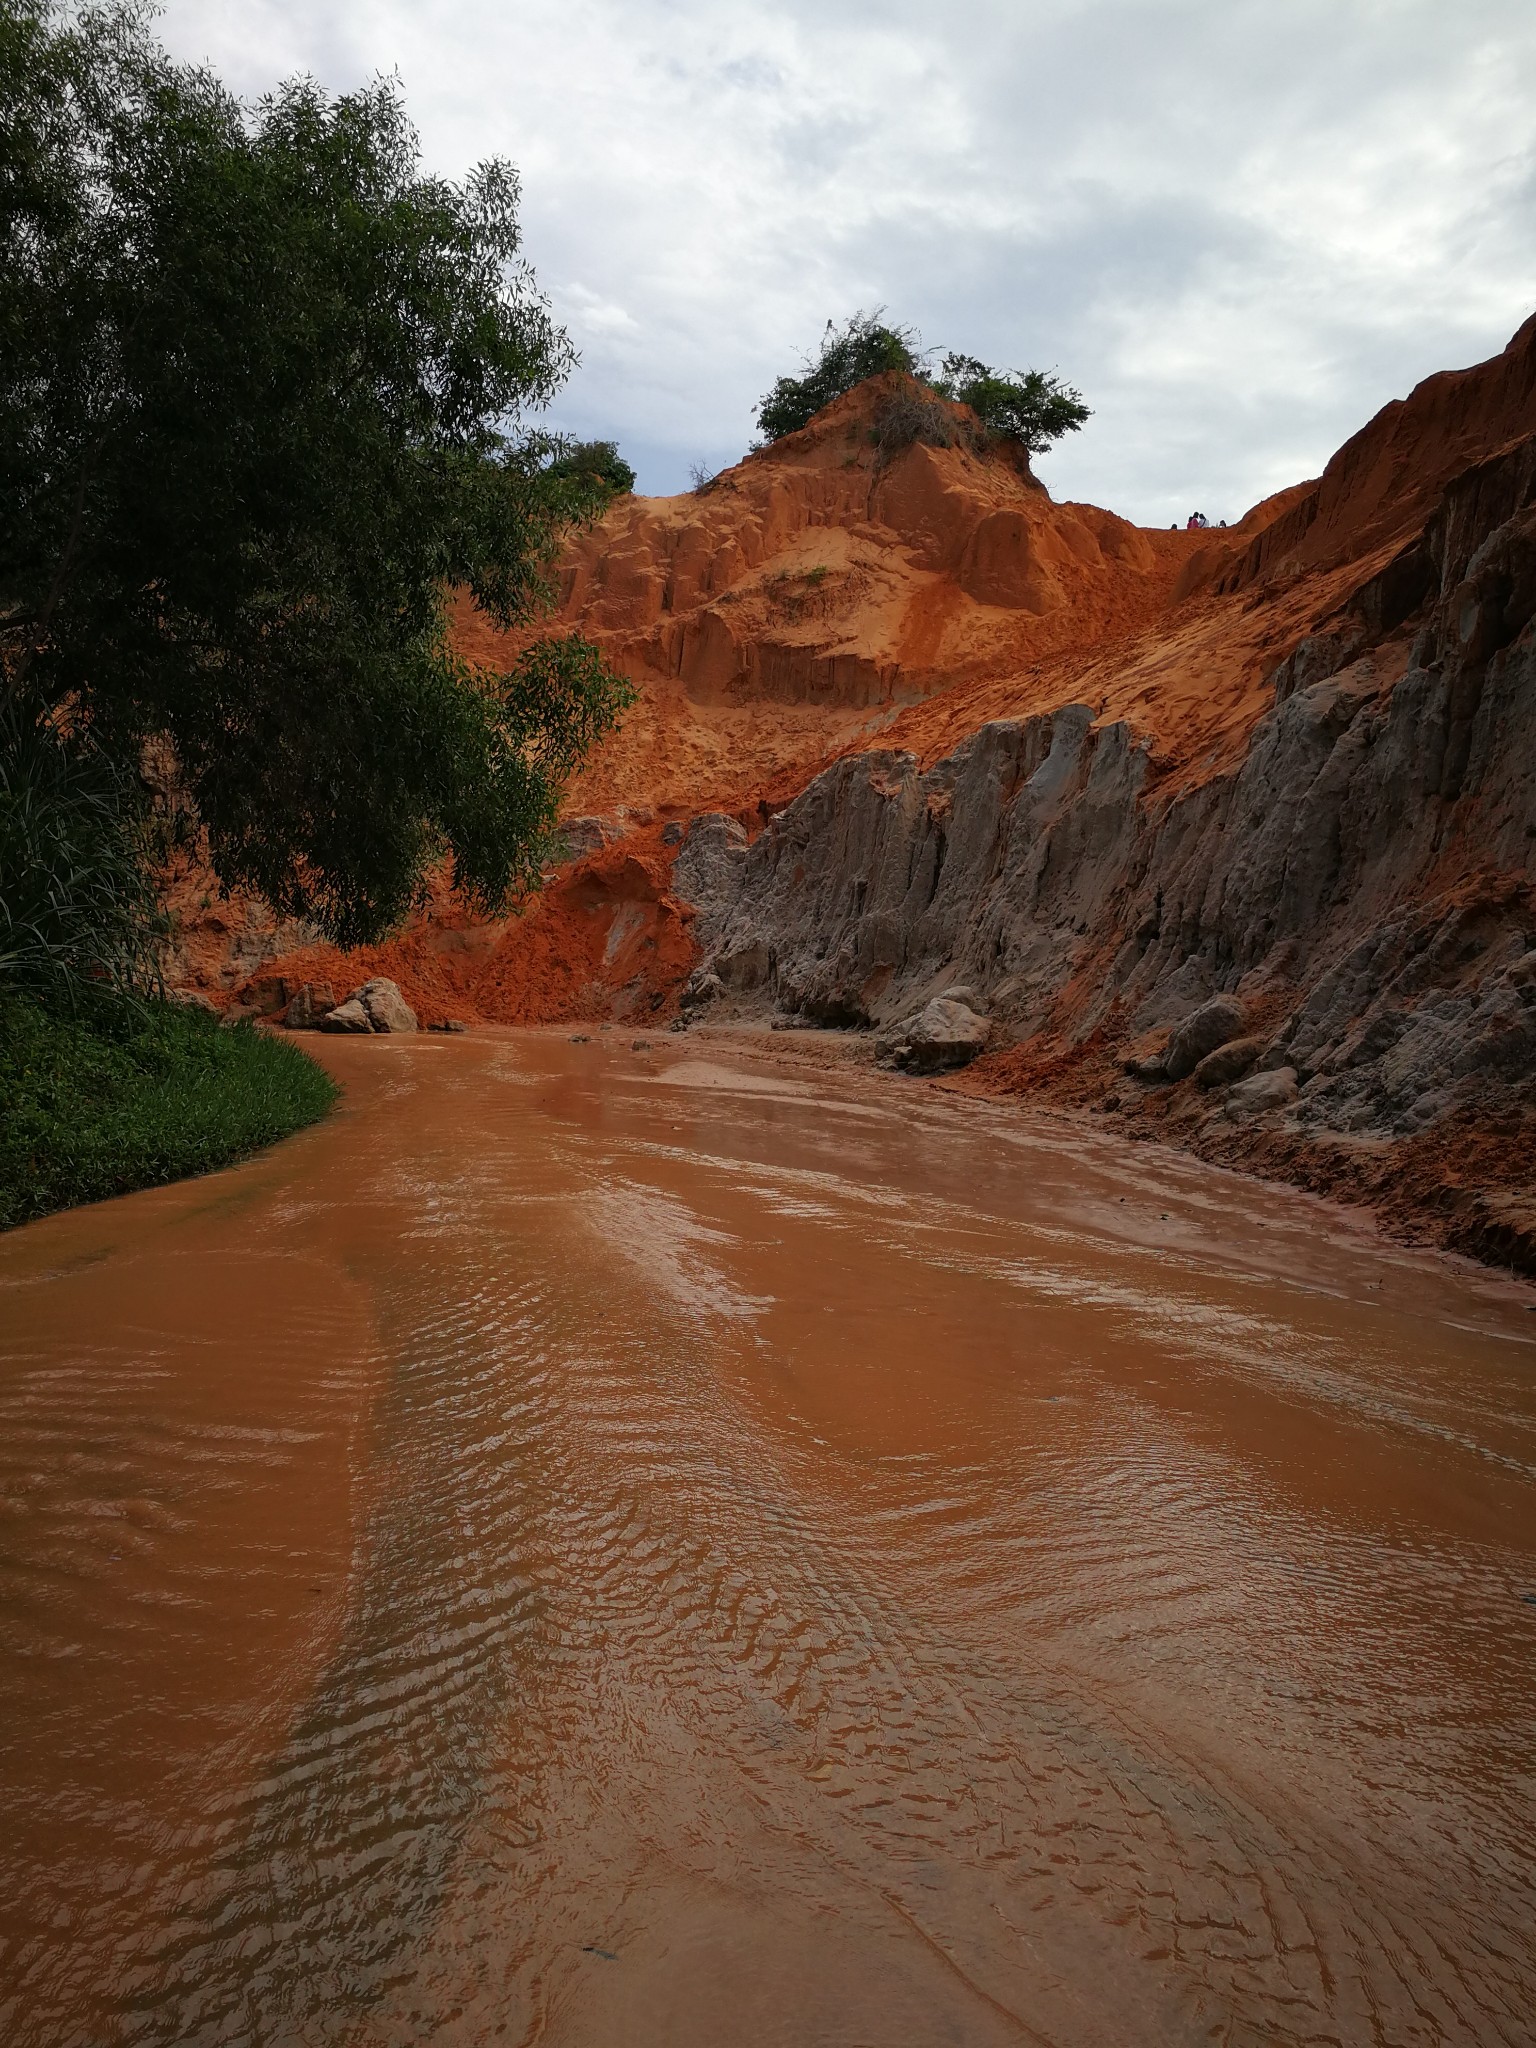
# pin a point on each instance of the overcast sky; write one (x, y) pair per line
(1240, 226)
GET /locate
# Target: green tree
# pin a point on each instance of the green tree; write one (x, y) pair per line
(264, 391)
(595, 463)
(1031, 407)
(862, 347)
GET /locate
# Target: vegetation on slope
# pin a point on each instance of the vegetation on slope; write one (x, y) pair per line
(862, 347)
(105, 1086)
(1030, 409)
(596, 464)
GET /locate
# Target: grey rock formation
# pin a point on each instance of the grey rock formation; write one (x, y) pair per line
(708, 868)
(347, 1016)
(377, 1006)
(1367, 870)
(1228, 1062)
(386, 1008)
(944, 1033)
(1202, 1032)
(580, 838)
(1274, 1090)
(309, 1004)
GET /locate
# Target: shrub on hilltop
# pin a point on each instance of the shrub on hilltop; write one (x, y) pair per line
(862, 347)
(1030, 408)
(593, 465)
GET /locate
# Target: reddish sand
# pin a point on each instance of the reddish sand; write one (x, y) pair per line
(605, 939)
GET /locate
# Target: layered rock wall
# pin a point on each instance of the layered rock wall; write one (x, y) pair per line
(1364, 880)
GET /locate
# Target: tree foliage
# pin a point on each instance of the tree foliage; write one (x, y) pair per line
(1031, 407)
(263, 400)
(594, 465)
(862, 347)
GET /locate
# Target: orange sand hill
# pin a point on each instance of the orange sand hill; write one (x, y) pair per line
(796, 605)
(1197, 676)
(818, 599)
(785, 614)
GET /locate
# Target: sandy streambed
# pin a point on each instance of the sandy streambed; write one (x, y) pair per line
(603, 1545)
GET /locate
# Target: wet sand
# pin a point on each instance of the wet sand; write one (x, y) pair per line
(597, 1545)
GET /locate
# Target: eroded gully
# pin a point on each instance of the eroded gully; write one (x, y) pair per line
(599, 1545)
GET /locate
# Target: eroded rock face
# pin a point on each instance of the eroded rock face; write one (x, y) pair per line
(377, 1006)
(707, 868)
(1366, 872)
(386, 1008)
(347, 1016)
(943, 1034)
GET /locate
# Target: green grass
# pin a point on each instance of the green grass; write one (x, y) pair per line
(125, 1096)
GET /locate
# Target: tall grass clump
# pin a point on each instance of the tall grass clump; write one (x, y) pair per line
(116, 1096)
(79, 915)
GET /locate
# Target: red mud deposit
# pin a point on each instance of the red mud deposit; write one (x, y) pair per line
(604, 939)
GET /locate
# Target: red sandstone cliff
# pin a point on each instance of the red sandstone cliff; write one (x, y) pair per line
(1103, 775)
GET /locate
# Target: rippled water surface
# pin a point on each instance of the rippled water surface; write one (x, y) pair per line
(637, 1546)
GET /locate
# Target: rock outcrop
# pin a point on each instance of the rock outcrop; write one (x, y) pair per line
(944, 1033)
(377, 1006)
(347, 1016)
(1361, 882)
(309, 1003)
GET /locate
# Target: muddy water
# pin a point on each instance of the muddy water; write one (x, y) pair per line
(609, 1546)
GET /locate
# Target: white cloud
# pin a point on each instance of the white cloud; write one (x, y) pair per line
(1239, 227)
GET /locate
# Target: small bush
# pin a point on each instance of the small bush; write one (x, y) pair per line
(1030, 407)
(911, 416)
(596, 463)
(118, 1096)
(862, 347)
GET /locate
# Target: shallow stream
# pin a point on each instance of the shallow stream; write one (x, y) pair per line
(616, 1546)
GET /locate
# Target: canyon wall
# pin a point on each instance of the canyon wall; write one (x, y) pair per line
(1358, 882)
(1227, 835)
